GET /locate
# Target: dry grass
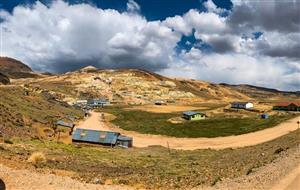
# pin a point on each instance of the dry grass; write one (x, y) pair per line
(166, 108)
(37, 158)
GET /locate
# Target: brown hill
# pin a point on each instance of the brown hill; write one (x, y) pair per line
(261, 92)
(132, 86)
(15, 69)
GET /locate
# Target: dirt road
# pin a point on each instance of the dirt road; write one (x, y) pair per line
(144, 140)
(290, 181)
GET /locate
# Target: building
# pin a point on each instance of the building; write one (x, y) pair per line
(242, 105)
(160, 102)
(192, 115)
(98, 102)
(287, 106)
(95, 136)
(64, 124)
(124, 141)
(101, 137)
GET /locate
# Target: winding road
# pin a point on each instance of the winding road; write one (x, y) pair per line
(145, 140)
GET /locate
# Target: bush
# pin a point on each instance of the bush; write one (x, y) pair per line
(37, 158)
(8, 141)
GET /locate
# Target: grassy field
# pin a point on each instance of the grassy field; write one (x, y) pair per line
(153, 167)
(156, 123)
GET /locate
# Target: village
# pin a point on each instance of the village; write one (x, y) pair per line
(95, 131)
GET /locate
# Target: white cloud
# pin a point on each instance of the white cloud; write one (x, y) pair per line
(236, 68)
(211, 7)
(132, 6)
(62, 37)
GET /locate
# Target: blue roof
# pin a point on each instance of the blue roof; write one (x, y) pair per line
(191, 113)
(95, 136)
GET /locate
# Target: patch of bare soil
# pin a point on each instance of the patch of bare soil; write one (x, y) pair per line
(282, 174)
(165, 108)
(26, 179)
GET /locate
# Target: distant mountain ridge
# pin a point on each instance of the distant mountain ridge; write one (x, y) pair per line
(15, 69)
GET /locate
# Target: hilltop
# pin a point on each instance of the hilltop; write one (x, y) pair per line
(131, 86)
(135, 87)
(15, 69)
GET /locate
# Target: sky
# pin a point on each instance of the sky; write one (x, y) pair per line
(237, 42)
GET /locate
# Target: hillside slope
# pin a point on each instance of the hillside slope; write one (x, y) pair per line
(261, 92)
(4, 79)
(134, 87)
(15, 69)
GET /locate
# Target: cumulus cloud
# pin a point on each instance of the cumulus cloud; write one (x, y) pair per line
(62, 37)
(237, 68)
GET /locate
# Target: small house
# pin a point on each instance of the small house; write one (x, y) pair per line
(124, 141)
(160, 102)
(64, 124)
(242, 105)
(287, 106)
(95, 136)
(264, 116)
(98, 102)
(192, 115)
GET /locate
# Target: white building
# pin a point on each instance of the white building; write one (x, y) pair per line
(242, 105)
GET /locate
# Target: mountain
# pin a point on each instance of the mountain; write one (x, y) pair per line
(260, 92)
(132, 86)
(14, 69)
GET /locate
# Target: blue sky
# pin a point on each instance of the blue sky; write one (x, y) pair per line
(151, 9)
(253, 42)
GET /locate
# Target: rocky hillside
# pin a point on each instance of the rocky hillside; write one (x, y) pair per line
(4, 79)
(15, 69)
(133, 87)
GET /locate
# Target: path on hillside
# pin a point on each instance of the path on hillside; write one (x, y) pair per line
(145, 140)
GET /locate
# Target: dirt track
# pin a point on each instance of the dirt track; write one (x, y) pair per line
(144, 140)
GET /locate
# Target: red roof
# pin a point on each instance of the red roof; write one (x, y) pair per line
(284, 104)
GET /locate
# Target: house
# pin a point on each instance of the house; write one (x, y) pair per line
(192, 115)
(287, 106)
(64, 124)
(98, 102)
(101, 137)
(95, 136)
(242, 105)
(124, 141)
(160, 102)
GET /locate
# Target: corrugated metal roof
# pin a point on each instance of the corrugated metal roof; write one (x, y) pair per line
(95, 136)
(191, 113)
(124, 138)
(62, 123)
(240, 103)
(284, 104)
